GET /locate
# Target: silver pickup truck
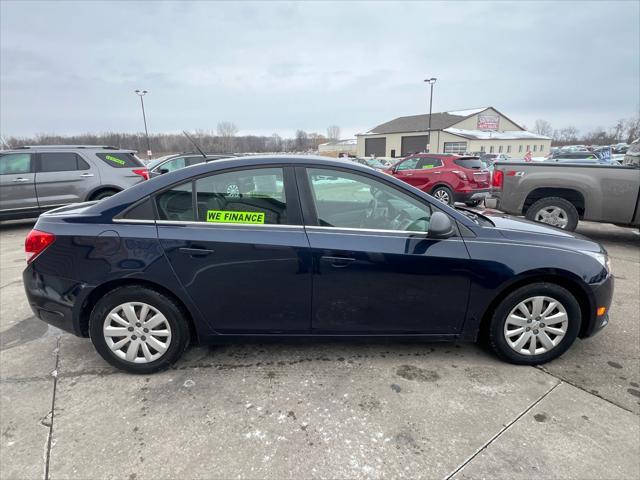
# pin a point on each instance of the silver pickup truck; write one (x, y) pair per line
(560, 194)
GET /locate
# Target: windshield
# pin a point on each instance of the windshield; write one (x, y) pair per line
(372, 162)
(477, 218)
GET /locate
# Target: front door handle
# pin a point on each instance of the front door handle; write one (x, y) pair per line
(338, 262)
(196, 252)
(20, 179)
(86, 175)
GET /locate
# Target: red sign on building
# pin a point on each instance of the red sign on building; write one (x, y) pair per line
(488, 122)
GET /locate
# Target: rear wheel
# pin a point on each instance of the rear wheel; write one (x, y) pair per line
(554, 211)
(444, 194)
(534, 324)
(138, 329)
(103, 194)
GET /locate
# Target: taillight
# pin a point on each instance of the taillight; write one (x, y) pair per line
(460, 174)
(143, 172)
(498, 178)
(36, 242)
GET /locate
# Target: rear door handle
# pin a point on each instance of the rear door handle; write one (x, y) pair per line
(338, 262)
(196, 252)
(86, 175)
(20, 179)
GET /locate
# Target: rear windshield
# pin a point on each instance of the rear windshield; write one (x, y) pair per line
(474, 163)
(120, 159)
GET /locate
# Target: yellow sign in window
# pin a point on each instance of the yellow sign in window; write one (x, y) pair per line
(224, 216)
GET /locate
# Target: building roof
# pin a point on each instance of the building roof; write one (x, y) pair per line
(418, 123)
(493, 135)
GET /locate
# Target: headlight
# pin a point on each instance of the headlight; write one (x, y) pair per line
(602, 258)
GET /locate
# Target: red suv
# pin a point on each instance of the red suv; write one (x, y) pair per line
(449, 178)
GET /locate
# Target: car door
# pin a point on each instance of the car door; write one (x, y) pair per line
(406, 170)
(236, 242)
(376, 270)
(63, 178)
(17, 182)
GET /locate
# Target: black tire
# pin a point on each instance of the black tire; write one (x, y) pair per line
(472, 203)
(173, 312)
(567, 206)
(103, 194)
(496, 334)
(444, 191)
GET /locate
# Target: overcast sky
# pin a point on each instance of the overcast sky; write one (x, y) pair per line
(275, 66)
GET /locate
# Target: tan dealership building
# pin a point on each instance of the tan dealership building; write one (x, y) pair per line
(461, 131)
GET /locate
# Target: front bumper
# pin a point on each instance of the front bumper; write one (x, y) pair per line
(56, 300)
(602, 297)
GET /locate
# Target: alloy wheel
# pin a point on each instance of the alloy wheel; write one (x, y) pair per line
(137, 332)
(536, 325)
(554, 216)
(442, 195)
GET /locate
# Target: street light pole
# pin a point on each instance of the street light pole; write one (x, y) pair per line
(142, 93)
(430, 81)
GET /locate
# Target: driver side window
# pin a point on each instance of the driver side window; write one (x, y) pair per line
(346, 200)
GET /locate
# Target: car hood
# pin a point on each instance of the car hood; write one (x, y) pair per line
(519, 229)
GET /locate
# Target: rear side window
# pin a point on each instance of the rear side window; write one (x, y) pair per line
(246, 196)
(429, 163)
(120, 159)
(176, 203)
(15, 163)
(61, 162)
(471, 163)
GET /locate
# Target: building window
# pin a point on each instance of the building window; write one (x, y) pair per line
(520, 149)
(535, 148)
(500, 149)
(482, 149)
(455, 147)
(541, 147)
(508, 148)
(528, 148)
(491, 149)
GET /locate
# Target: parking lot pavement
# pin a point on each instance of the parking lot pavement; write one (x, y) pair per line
(321, 410)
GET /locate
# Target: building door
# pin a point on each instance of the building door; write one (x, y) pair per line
(414, 144)
(375, 146)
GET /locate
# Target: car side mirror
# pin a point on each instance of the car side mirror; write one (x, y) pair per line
(163, 170)
(440, 226)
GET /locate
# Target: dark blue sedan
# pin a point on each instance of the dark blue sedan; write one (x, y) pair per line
(305, 246)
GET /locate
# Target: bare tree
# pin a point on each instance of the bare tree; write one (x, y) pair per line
(333, 132)
(302, 141)
(542, 127)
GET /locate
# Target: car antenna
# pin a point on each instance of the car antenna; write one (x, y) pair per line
(194, 144)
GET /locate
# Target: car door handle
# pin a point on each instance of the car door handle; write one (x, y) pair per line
(20, 179)
(86, 175)
(338, 262)
(196, 252)
(409, 174)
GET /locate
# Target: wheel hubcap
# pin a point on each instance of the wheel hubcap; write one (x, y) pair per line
(555, 216)
(536, 325)
(137, 332)
(442, 195)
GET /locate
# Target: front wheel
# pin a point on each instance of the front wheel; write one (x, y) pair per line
(535, 324)
(554, 211)
(138, 329)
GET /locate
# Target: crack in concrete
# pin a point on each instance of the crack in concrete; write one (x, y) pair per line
(47, 455)
(569, 382)
(502, 430)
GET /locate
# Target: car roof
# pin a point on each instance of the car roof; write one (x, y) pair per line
(157, 161)
(59, 148)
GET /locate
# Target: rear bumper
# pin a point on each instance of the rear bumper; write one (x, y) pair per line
(56, 300)
(602, 296)
(471, 195)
